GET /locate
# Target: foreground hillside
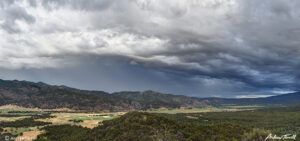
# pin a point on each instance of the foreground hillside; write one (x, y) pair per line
(145, 126)
(41, 95)
(280, 121)
(249, 125)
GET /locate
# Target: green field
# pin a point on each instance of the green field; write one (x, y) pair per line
(15, 115)
(227, 108)
(186, 110)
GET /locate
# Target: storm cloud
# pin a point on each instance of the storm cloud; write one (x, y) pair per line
(222, 48)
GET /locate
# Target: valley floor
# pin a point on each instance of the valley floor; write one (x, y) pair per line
(26, 124)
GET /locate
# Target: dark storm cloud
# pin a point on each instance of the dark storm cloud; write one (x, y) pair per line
(229, 45)
(112, 73)
(260, 48)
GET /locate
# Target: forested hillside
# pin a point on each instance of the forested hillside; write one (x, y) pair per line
(41, 95)
(140, 126)
(44, 96)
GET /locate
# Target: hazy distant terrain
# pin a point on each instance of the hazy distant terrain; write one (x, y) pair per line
(41, 95)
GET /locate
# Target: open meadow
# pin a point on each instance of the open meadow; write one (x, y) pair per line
(14, 120)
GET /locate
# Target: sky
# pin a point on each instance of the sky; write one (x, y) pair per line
(201, 48)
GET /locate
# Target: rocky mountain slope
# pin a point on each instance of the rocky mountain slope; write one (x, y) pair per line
(41, 95)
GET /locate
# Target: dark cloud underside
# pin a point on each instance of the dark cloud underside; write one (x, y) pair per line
(201, 48)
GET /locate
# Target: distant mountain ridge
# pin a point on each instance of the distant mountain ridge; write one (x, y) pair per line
(290, 99)
(44, 96)
(41, 95)
(152, 99)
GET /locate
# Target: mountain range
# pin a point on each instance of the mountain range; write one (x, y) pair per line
(41, 95)
(44, 96)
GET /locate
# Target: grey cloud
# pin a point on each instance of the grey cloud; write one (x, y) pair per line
(91, 5)
(11, 13)
(5, 3)
(253, 44)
